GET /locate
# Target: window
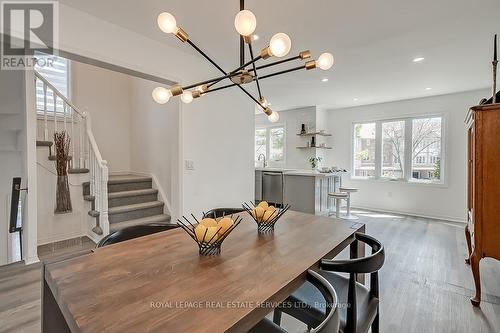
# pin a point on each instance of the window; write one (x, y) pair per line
(57, 73)
(393, 149)
(271, 143)
(364, 151)
(426, 148)
(407, 149)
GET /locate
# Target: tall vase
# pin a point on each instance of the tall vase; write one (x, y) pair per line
(63, 197)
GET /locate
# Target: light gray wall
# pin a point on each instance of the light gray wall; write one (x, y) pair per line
(107, 96)
(154, 140)
(292, 120)
(12, 147)
(448, 201)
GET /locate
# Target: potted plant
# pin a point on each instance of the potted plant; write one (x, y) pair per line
(315, 161)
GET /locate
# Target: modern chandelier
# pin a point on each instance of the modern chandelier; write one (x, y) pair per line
(245, 23)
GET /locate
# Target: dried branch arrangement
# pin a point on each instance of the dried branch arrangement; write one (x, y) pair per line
(63, 199)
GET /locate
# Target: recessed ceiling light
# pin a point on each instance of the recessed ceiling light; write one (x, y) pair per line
(255, 37)
(419, 59)
(324, 80)
(428, 88)
(355, 99)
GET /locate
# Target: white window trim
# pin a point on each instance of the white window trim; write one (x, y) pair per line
(268, 140)
(39, 112)
(408, 141)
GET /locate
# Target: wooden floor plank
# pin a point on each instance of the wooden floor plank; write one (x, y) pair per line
(425, 285)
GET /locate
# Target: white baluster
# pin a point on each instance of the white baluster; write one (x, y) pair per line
(72, 137)
(104, 194)
(64, 117)
(45, 128)
(81, 148)
(54, 97)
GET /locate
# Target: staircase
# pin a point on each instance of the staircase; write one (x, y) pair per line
(116, 201)
(132, 201)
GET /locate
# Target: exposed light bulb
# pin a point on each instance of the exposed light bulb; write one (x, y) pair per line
(167, 23)
(161, 95)
(280, 45)
(325, 61)
(187, 97)
(245, 22)
(274, 117)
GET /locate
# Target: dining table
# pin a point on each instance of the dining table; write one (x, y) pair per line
(160, 283)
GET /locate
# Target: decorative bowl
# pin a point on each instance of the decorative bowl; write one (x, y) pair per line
(208, 238)
(267, 220)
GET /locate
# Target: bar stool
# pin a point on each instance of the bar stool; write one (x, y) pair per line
(348, 191)
(338, 196)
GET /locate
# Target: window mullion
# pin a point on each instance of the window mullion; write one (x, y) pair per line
(408, 149)
(378, 150)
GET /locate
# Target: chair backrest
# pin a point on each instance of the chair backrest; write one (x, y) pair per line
(331, 322)
(133, 232)
(220, 212)
(368, 264)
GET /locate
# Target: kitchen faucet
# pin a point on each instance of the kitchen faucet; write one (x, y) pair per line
(264, 156)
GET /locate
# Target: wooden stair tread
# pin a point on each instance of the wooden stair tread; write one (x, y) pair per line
(77, 171)
(41, 143)
(53, 158)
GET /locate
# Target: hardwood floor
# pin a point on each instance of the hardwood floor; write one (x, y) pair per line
(425, 285)
(20, 290)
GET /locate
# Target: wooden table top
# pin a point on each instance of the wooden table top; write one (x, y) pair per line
(159, 283)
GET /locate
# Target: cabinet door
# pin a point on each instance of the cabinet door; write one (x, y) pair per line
(258, 185)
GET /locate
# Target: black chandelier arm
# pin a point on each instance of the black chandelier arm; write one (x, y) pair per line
(211, 81)
(239, 68)
(220, 69)
(256, 77)
(283, 72)
(205, 56)
(261, 78)
(277, 63)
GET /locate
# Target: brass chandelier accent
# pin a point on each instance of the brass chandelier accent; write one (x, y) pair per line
(245, 23)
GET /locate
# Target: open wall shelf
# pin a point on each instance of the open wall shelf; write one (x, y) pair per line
(314, 133)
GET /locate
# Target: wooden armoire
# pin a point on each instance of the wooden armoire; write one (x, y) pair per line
(483, 188)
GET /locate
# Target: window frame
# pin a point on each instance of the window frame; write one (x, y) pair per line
(268, 129)
(408, 176)
(59, 115)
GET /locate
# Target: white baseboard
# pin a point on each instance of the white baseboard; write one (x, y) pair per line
(442, 218)
(31, 260)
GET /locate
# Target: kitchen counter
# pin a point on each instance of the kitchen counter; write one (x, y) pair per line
(305, 190)
(299, 172)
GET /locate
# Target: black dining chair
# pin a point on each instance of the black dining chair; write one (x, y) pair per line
(328, 302)
(221, 212)
(134, 232)
(362, 304)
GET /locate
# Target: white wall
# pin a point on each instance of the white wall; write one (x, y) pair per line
(218, 137)
(155, 141)
(292, 120)
(107, 96)
(446, 202)
(12, 148)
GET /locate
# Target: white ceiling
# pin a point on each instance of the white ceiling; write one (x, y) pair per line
(373, 41)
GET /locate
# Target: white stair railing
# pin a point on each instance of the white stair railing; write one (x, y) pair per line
(83, 150)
